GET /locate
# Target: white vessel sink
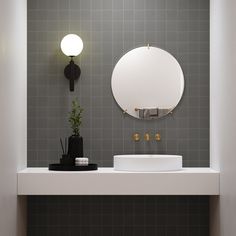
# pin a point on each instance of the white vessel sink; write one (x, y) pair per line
(147, 163)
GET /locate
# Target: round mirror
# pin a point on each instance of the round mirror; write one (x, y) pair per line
(147, 83)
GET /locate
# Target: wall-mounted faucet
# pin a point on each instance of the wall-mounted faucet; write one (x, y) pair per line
(147, 137)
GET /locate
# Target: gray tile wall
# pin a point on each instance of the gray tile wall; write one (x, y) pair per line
(118, 216)
(109, 28)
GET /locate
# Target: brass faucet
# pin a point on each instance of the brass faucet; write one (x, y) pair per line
(147, 137)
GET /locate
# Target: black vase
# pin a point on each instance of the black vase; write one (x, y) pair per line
(75, 147)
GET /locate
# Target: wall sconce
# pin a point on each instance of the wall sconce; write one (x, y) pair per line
(72, 46)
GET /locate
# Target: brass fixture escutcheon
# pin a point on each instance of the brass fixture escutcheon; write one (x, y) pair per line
(136, 137)
(157, 137)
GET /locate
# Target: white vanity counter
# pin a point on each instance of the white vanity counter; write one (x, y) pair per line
(106, 181)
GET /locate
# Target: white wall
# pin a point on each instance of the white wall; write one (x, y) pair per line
(223, 113)
(12, 113)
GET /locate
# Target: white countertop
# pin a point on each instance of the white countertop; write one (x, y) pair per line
(106, 181)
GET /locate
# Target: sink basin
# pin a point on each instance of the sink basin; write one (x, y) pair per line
(147, 163)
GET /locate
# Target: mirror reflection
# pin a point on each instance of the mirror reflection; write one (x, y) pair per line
(147, 83)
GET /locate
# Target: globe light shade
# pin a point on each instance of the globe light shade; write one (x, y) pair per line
(71, 45)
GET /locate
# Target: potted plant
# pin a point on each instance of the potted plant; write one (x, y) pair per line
(75, 146)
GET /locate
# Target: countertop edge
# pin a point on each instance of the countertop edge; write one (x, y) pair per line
(106, 181)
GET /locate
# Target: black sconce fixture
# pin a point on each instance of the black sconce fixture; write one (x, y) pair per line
(72, 46)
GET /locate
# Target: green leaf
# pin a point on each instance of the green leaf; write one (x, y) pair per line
(75, 117)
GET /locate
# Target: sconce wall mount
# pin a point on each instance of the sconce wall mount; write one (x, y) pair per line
(72, 46)
(72, 72)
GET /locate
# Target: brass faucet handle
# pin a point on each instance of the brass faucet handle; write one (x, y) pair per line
(136, 137)
(157, 137)
(147, 137)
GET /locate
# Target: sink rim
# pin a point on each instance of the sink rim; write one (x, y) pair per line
(153, 156)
